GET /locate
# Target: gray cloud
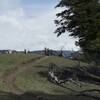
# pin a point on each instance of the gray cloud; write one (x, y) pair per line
(19, 31)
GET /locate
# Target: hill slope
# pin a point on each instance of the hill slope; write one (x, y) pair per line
(26, 77)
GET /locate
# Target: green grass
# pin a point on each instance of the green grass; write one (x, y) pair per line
(60, 61)
(31, 80)
(13, 59)
(8, 62)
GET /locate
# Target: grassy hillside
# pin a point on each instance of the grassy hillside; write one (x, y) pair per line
(8, 63)
(28, 74)
(35, 80)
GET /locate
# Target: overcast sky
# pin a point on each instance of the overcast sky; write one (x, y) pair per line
(29, 24)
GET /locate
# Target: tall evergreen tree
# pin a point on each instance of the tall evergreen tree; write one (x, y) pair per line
(81, 18)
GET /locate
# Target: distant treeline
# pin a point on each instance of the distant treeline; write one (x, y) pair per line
(14, 51)
(47, 52)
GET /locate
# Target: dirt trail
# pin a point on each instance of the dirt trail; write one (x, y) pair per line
(10, 76)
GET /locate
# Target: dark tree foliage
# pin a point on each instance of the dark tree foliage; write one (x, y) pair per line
(81, 18)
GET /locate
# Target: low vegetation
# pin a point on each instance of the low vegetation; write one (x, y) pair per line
(30, 78)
